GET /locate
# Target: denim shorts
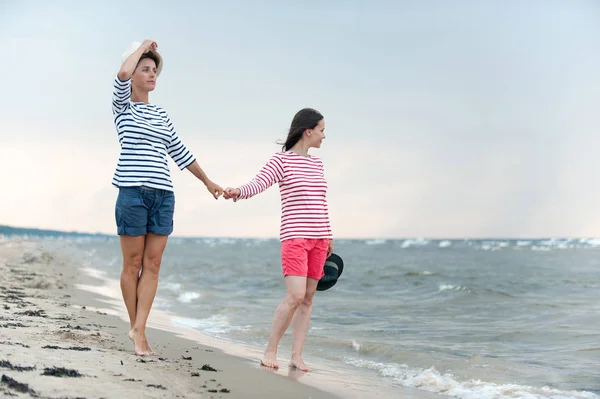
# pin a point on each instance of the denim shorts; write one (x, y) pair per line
(140, 210)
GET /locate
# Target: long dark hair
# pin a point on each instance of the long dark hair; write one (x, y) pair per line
(306, 118)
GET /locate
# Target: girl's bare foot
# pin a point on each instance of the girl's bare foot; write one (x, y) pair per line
(140, 343)
(298, 363)
(270, 360)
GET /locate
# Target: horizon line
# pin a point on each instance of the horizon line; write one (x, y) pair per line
(433, 238)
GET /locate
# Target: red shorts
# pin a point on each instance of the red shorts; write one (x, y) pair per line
(304, 257)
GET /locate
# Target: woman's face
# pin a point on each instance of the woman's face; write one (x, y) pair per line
(144, 76)
(315, 136)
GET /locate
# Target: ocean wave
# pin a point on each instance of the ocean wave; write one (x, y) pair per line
(187, 297)
(479, 291)
(423, 273)
(550, 244)
(375, 242)
(173, 287)
(213, 325)
(416, 242)
(432, 380)
(519, 244)
(450, 287)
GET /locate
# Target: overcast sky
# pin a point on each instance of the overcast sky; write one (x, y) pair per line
(443, 119)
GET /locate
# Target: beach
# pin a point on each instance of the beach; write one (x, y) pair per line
(409, 319)
(60, 339)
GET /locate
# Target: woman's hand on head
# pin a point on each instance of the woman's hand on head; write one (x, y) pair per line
(149, 45)
(231, 193)
(129, 65)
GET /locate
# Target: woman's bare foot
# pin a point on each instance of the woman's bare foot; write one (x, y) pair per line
(140, 343)
(298, 363)
(269, 360)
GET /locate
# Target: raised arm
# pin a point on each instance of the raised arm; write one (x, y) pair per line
(122, 83)
(130, 63)
(121, 95)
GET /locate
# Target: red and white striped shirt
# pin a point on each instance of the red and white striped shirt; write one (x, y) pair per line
(303, 189)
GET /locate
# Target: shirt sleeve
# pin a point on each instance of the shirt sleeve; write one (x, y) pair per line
(270, 174)
(121, 95)
(177, 150)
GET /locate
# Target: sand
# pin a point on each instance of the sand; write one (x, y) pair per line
(63, 335)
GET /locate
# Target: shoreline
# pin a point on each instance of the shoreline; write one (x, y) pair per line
(70, 306)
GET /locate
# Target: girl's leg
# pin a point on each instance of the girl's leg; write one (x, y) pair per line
(295, 293)
(300, 324)
(315, 260)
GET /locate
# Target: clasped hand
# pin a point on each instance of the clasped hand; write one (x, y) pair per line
(217, 191)
(233, 193)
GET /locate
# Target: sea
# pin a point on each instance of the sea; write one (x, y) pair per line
(468, 318)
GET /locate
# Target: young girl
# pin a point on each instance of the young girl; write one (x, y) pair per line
(306, 239)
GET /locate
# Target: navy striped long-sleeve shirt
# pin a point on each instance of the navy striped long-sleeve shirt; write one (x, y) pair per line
(146, 136)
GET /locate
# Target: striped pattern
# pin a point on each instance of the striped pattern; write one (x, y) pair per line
(146, 136)
(303, 188)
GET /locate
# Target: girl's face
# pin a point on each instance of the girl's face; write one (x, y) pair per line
(315, 136)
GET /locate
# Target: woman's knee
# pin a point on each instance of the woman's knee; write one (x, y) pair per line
(295, 298)
(308, 299)
(152, 264)
(133, 253)
(132, 263)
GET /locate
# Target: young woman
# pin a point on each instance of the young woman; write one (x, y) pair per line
(145, 203)
(305, 234)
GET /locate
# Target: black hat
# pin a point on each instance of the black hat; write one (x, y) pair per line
(334, 266)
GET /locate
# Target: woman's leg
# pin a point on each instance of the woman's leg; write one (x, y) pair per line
(131, 216)
(300, 324)
(315, 259)
(132, 248)
(146, 290)
(295, 293)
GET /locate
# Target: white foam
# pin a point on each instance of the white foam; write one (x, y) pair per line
(417, 242)
(175, 287)
(592, 242)
(214, 325)
(187, 297)
(536, 245)
(450, 287)
(432, 381)
(95, 273)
